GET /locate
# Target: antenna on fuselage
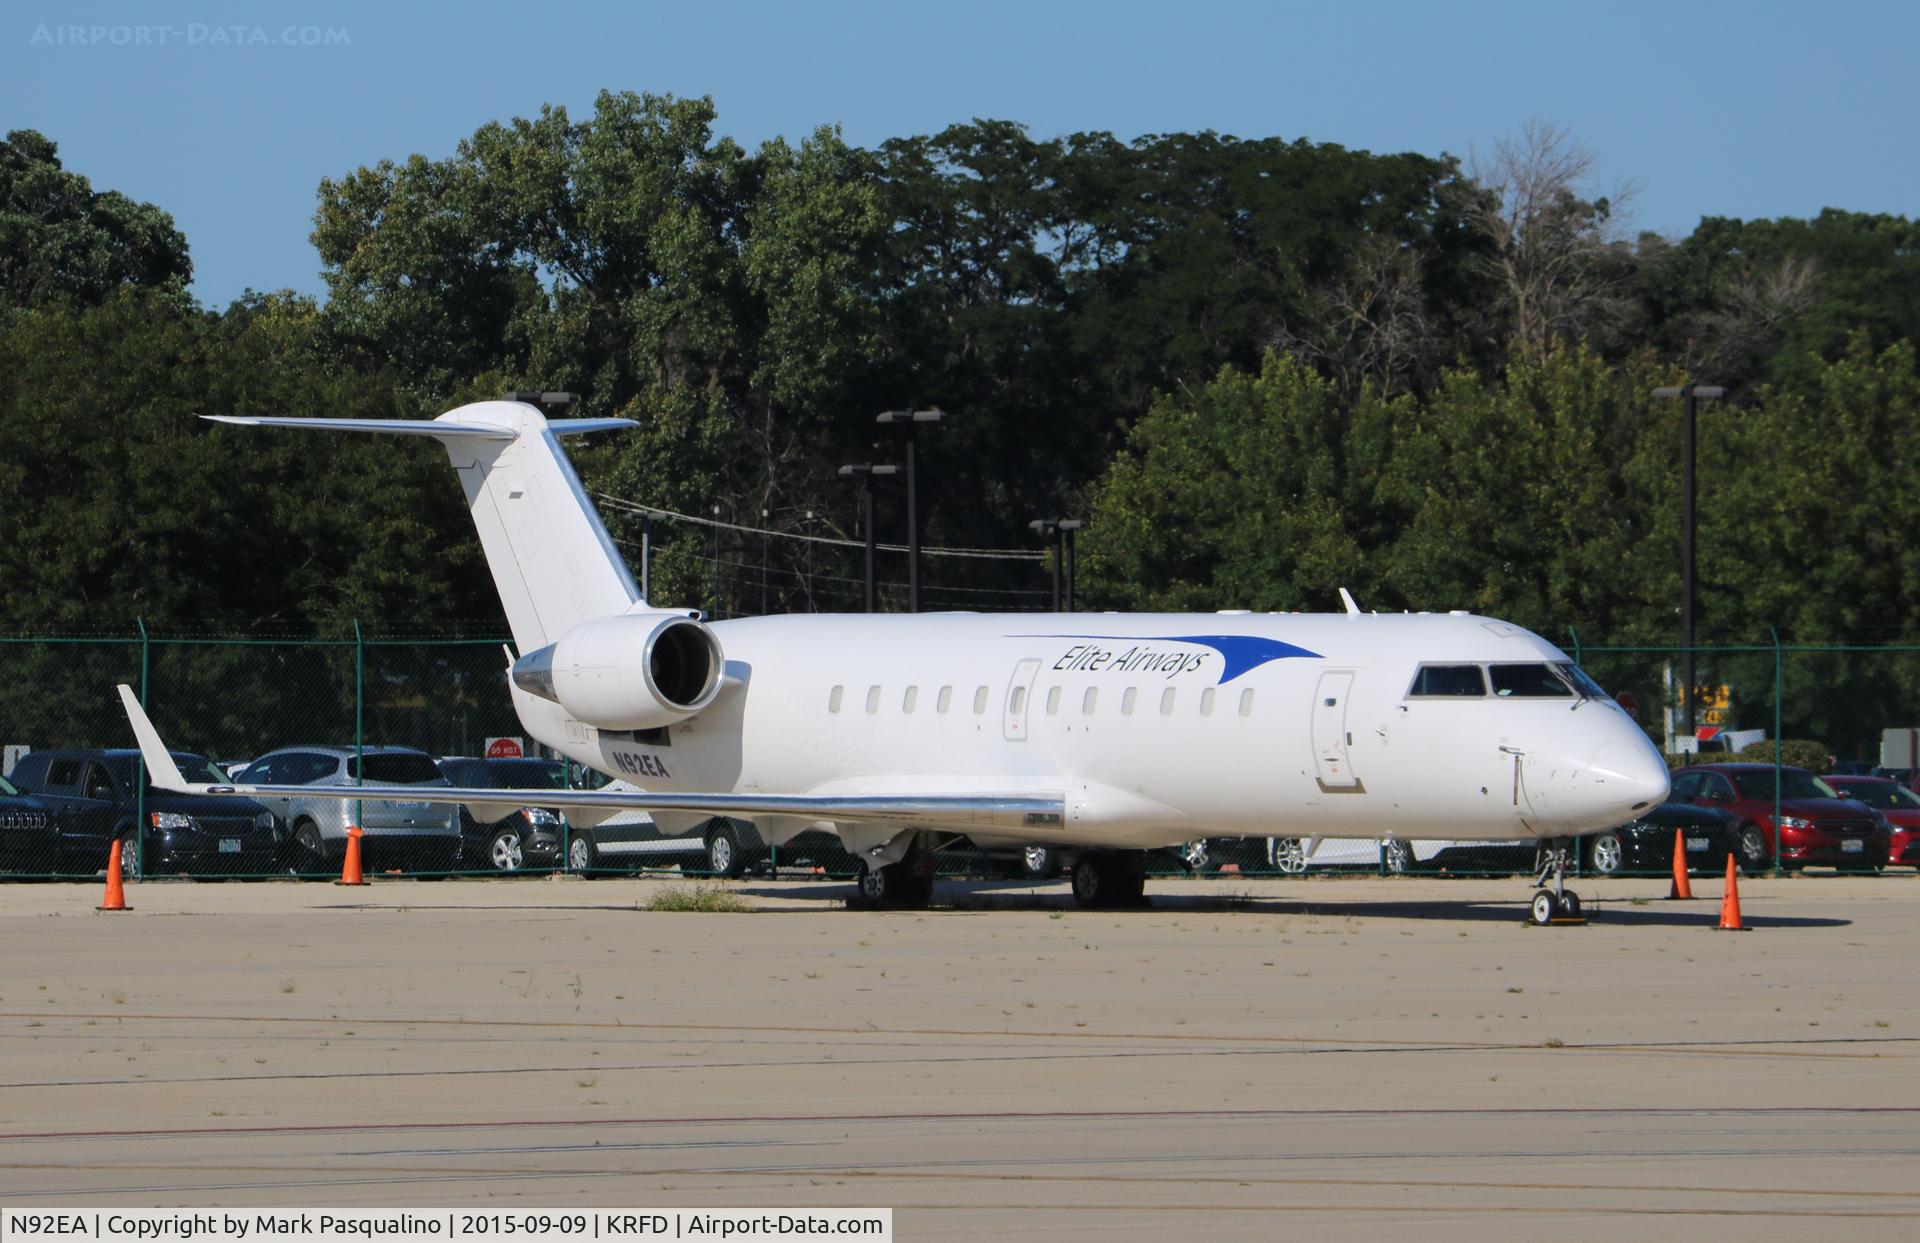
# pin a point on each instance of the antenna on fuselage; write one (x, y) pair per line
(1346, 598)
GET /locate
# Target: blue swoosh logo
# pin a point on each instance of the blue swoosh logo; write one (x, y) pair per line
(1239, 653)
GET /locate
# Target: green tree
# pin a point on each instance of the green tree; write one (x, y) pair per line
(61, 240)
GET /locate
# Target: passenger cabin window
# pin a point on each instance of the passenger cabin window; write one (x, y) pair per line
(1206, 702)
(1087, 700)
(1166, 702)
(980, 701)
(1019, 703)
(1053, 701)
(911, 698)
(945, 701)
(1449, 682)
(1128, 698)
(834, 697)
(1527, 682)
(1246, 702)
(873, 700)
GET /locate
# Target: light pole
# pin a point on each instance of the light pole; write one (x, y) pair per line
(1690, 395)
(1049, 529)
(911, 420)
(1069, 526)
(864, 472)
(646, 551)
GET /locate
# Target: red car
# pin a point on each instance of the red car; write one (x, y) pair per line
(1816, 826)
(1897, 804)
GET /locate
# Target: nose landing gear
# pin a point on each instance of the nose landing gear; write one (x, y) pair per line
(1558, 905)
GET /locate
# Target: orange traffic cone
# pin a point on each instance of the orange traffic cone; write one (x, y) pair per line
(116, 899)
(1681, 889)
(350, 869)
(1730, 905)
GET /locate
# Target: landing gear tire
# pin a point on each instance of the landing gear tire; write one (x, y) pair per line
(1104, 879)
(1570, 905)
(1555, 904)
(895, 885)
(724, 856)
(1546, 908)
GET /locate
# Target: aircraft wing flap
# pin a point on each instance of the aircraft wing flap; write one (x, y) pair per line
(955, 811)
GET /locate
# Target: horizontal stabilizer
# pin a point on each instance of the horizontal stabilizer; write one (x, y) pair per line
(392, 427)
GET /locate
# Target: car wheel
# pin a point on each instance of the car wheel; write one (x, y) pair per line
(582, 859)
(307, 856)
(506, 852)
(1042, 862)
(1398, 857)
(1606, 856)
(1751, 847)
(1196, 856)
(724, 857)
(129, 859)
(1289, 856)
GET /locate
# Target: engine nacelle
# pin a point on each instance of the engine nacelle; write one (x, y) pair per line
(641, 671)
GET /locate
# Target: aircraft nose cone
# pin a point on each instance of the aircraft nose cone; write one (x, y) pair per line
(1632, 776)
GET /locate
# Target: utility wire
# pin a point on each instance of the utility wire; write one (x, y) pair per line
(931, 550)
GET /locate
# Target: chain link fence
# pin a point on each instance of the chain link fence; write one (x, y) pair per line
(76, 783)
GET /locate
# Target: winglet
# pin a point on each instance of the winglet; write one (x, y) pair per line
(1346, 598)
(161, 770)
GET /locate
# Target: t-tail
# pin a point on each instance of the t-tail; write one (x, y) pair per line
(588, 644)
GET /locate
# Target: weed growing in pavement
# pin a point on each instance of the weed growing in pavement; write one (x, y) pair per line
(705, 898)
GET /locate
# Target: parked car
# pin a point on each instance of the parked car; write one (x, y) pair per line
(1212, 854)
(1899, 806)
(32, 836)
(526, 836)
(1291, 856)
(95, 800)
(1816, 826)
(1709, 835)
(396, 833)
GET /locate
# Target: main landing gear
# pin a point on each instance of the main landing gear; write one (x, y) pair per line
(1110, 878)
(907, 883)
(1559, 904)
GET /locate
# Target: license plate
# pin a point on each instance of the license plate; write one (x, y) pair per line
(409, 806)
(229, 845)
(1852, 846)
(1696, 843)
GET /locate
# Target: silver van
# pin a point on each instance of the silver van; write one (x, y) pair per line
(396, 833)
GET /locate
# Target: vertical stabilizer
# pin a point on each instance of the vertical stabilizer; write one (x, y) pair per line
(553, 562)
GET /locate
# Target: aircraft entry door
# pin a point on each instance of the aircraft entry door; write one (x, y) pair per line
(1330, 757)
(1019, 705)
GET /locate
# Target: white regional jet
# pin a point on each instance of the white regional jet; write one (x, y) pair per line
(1105, 734)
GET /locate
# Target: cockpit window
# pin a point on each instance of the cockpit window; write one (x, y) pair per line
(1527, 682)
(1582, 681)
(1451, 681)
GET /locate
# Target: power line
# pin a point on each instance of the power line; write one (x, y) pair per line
(982, 554)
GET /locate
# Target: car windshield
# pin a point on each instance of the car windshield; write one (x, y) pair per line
(398, 767)
(7, 787)
(530, 775)
(1794, 783)
(1527, 682)
(1886, 797)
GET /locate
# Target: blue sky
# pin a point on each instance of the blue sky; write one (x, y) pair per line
(1758, 109)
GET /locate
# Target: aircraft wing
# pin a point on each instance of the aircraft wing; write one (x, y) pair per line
(958, 812)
